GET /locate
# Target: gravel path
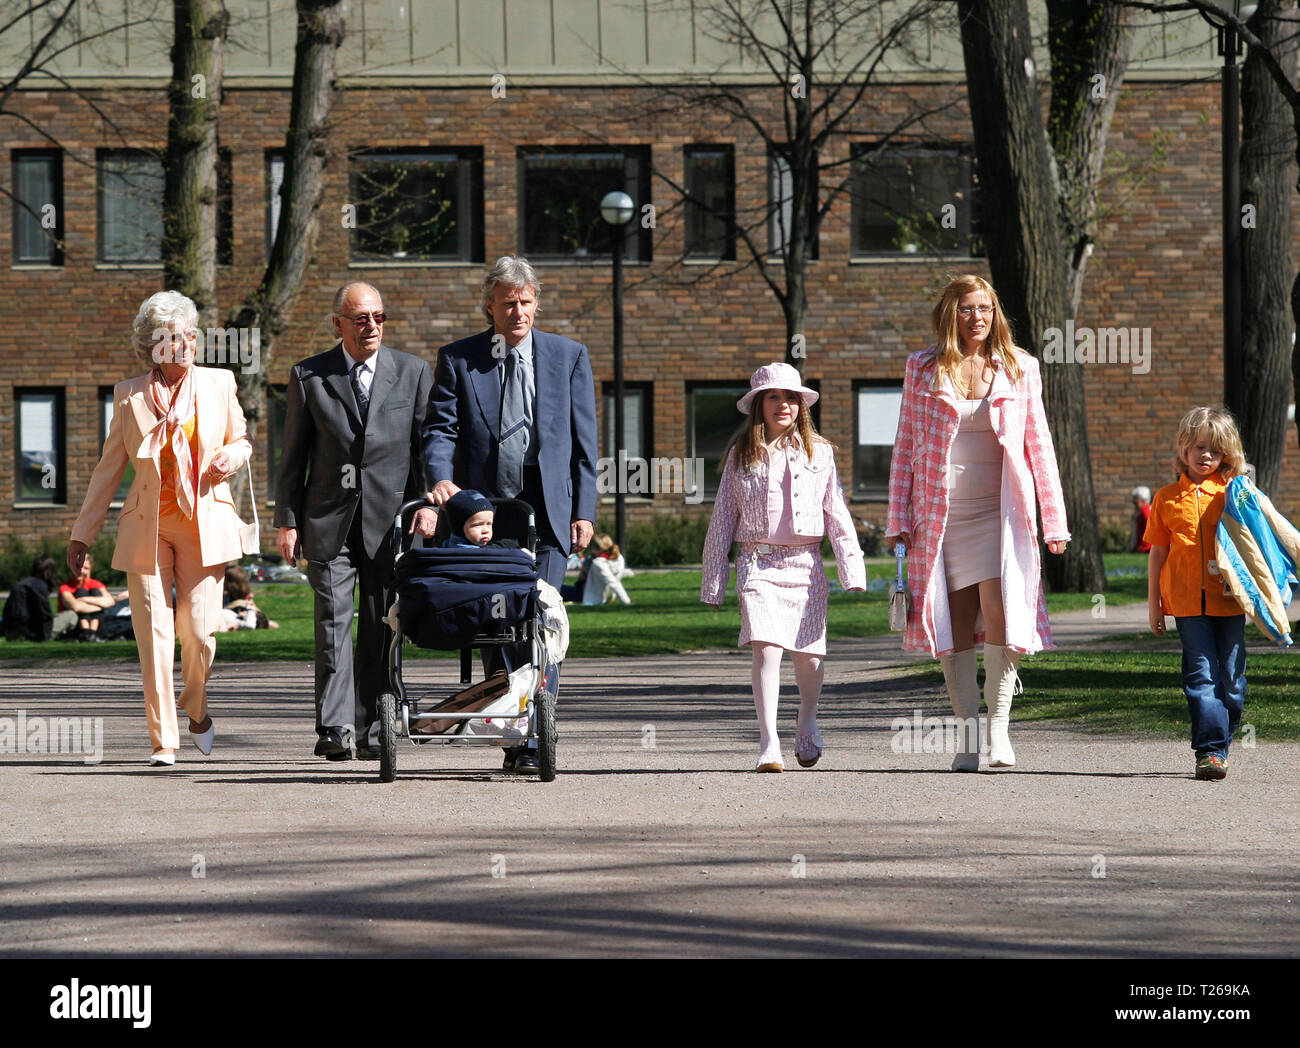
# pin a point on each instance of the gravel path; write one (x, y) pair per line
(656, 839)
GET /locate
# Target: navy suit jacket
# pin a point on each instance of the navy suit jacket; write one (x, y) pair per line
(460, 433)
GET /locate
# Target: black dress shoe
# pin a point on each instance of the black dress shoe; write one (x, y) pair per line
(333, 749)
(526, 763)
(367, 753)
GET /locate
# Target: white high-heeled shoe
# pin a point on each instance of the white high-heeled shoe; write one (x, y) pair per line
(204, 739)
(162, 760)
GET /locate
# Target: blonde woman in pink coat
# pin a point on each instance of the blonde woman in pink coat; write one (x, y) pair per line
(778, 496)
(972, 462)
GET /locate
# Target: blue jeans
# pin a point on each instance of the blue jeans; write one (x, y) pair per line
(1214, 678)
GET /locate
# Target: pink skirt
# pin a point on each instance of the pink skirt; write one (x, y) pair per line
(782, 597)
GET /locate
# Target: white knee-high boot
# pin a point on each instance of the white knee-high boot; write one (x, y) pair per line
(960, 675)
(1000, 684)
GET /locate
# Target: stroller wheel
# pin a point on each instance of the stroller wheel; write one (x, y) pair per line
(546, 737)
(387, 737)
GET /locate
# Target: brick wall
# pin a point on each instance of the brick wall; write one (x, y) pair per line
(1156, 266)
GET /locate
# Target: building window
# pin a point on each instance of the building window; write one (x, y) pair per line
(39, 450)
(780, 189)
(876, 407)
(105, 424)
(274, 438)
(637, 436)
(274, 180)
(911, 201)
(711, 421)
(710, 203)
(421, 206)
(130, 205)
(38, 207)
(560, 213)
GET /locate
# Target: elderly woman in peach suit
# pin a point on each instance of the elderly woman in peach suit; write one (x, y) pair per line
(182, 428)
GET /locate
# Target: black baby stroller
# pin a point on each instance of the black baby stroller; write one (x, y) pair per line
(467, 598)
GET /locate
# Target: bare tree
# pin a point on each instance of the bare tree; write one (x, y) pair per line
(1040, 177)
(321, 26)
(1270, 131)
(189, 243)
(821, 58)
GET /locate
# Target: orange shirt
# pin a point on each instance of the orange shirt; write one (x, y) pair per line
(167, 467)
(1185, 517)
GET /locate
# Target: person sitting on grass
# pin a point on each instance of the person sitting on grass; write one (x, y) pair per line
(27, 614)
(600, 576)
(88, 598)
(239, 611)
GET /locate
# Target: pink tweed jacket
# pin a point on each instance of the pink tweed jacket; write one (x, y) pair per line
(918, 500)
(740, 514)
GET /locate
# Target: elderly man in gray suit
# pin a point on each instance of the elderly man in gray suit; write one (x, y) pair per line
(351, 456)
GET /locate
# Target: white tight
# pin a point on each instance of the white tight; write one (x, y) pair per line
(808, 672)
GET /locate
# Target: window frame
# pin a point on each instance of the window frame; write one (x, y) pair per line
(470, 214)
(859, 489)
(54, 257)
(59, 493)
(776, 207)
(728, 218)
(103, 156)
(965, 233)
(645, 433)
(635, 181)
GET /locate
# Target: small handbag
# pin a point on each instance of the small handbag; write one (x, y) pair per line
(250, 535)
(900, 598)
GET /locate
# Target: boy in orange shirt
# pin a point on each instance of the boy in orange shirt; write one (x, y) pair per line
(1183, 581)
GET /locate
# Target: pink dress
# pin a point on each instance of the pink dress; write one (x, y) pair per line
(778, 512)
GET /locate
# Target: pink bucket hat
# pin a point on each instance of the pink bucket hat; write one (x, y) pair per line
(776, 376)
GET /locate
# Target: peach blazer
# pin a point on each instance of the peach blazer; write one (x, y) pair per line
(220, 427)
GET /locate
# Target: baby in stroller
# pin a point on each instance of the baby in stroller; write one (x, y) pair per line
(470, 517)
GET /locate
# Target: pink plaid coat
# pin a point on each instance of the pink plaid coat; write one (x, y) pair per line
(918, 500)
(740, 514)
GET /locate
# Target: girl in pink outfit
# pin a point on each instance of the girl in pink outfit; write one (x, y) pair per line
(778, 496)
(972, 452)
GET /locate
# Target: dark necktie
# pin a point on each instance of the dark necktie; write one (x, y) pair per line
(513, 435)
(363, 398)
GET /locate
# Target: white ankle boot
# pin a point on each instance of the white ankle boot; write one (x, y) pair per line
(1000, 684)
(960, 675)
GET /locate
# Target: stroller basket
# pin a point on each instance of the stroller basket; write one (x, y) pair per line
(448, 597)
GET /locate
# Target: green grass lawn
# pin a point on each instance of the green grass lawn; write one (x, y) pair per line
(666, 617)
(1141, 693)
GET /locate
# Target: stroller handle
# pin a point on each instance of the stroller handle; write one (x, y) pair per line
(402, 521)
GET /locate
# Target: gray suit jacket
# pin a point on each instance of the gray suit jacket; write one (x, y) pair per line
(330, 468)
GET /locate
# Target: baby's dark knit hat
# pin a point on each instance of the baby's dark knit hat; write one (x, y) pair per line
(463, 505)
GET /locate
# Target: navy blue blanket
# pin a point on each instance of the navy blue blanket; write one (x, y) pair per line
(446, 597)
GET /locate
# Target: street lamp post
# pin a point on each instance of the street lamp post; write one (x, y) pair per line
(1229, 48)
(616, 208)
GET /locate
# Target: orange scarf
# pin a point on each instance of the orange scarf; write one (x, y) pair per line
(174, 410)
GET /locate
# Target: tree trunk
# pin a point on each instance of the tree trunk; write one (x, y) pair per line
(1027, 250)
(321, 26)
(1267, 155)
(189, 245)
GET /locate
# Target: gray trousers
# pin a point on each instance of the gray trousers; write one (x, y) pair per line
(347, 685)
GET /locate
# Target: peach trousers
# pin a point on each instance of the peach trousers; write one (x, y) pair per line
(157, 626)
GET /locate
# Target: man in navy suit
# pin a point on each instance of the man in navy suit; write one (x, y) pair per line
(541, 386)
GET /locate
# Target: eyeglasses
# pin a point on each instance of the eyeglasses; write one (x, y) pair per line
(363, 319)
(966, 312)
